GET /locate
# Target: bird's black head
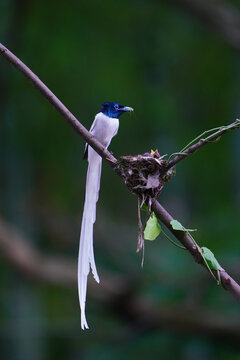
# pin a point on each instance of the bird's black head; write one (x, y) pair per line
(114, 110)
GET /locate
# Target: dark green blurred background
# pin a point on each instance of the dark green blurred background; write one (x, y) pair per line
(182, 77)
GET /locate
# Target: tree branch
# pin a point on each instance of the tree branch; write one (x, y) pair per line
(115, 292)
(222, 17)
(24, 258)
(204, 141)
(147, 316)
(227, 282)
(57, 104)
(27, 260)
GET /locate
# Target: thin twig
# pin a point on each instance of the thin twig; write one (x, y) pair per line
(172, 242)
(203, 141)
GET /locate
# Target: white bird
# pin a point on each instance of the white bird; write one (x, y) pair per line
(104, 128)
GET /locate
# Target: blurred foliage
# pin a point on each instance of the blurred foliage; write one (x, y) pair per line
(181, 79)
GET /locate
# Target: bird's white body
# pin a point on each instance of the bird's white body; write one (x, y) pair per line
(104, 128)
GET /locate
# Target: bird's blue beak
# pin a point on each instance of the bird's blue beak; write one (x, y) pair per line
(127, 108)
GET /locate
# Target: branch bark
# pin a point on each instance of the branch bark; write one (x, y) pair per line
(227, 282)
(224, 18)
(57, 104)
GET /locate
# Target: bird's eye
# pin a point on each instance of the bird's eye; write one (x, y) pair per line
(116, 106)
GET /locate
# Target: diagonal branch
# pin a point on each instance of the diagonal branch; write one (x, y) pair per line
(227, 282)
(28, 261)
(57, 104)
(115, 292)
(17, 250)
(221, 16)
(204, 141)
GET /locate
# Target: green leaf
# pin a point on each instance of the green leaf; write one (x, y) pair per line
(144, 207)
(176, 225)
(153, 228)
(210, 259)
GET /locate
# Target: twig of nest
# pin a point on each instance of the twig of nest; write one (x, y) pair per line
(145, 175)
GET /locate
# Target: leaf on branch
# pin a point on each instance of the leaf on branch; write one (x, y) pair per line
(210, 259)
(212, 263)
(176, 225)
(153, 228)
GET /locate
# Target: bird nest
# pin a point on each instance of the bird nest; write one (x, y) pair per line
(145, 175)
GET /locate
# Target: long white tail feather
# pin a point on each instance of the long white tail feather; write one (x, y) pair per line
(86, 253)
(103, 128)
